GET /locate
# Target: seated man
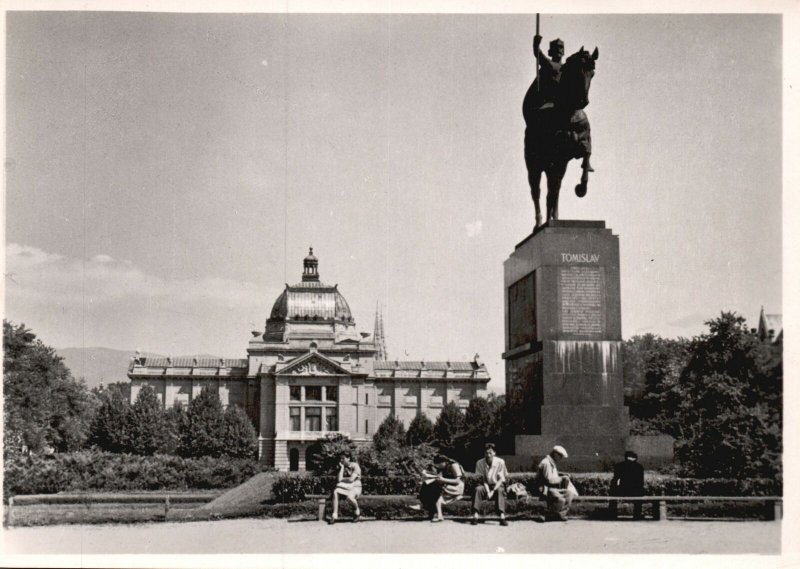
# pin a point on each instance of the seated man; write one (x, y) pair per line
(557, 489)
(348, 486)
(628, 481)
(493, 473)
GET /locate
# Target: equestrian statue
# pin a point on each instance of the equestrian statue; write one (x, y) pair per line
(556, 128)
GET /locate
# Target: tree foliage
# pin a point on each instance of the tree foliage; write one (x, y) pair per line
(398, 460)
(44, 406)
(204, 428)
(147, 427)
(110, 428)
(420, 430)
(482, 424)
(720, 396)
(323, 455)
(449, 427)
(240, 436)
(391, 433)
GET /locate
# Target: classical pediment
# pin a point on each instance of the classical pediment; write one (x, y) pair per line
(312, 364)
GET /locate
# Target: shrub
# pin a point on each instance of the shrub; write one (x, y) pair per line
(325, 452)
(293, 488)
(396, 460)
(100, 471)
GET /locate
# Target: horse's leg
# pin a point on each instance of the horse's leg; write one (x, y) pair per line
(554, 176)
(580, 189)
(534, 179)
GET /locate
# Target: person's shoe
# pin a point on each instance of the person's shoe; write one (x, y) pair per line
(539, 519)
(358, 518)
(436, 520)
(415, 507)
(331, 521)
(473, 522)
(504, 522)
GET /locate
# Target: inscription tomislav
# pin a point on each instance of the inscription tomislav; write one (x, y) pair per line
(581, 300)
(580, 258)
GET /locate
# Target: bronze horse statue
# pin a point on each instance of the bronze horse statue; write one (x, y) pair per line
(558, 132)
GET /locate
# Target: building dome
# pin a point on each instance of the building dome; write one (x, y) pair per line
(311, 299)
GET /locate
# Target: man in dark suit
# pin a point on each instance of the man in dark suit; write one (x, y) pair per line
(628, 481)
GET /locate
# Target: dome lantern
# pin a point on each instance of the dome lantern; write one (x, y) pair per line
(310, 264)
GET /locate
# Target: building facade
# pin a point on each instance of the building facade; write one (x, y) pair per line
(310, 374)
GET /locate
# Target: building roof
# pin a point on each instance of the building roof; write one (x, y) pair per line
(311, 299)
(189, 361)
(420, 365)
(473, 371)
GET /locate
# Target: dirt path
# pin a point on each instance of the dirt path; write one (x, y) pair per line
(281, 536)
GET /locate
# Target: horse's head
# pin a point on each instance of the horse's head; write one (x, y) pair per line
(576, 78)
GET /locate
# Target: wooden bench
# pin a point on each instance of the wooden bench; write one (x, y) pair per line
(773, 504)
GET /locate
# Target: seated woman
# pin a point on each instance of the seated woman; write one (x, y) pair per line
(443, 485)
(348, 485)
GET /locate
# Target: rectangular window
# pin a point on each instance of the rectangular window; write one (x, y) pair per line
(366, 399)
(294, 392)
(294, 418)
(331, 419)
(313, 418)
(314, 393)
(331, 393)
(366, 426)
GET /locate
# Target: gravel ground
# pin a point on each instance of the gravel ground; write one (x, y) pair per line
(282, 536)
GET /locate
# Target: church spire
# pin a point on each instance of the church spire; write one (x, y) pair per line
(379, 337)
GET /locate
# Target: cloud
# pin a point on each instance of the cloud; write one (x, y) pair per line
(48, 278)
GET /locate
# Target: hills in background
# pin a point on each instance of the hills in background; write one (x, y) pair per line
(96, 365)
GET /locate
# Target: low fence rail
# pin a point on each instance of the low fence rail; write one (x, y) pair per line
(773, 505)
(90, 499)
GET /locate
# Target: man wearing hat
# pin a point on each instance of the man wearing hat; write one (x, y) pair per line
(628, 481)
(554, 487)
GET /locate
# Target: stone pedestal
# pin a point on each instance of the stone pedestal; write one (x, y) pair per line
(563, 341)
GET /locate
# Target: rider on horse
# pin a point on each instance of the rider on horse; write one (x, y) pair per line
(556, 128)
(543, 90)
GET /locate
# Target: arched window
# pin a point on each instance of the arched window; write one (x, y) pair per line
(294, 460)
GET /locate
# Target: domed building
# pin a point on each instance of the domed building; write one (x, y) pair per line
(310, 373)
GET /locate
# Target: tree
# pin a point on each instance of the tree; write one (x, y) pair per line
(239, 440)
(726, 405)
(651, 366)
(323, 455)
(176, 421)
(448, 428)
(109, 430)
(420, 430)
(44, 406)
(391, 433)
(398, 460)
(147, 427)
(482, 422)
(204, 430)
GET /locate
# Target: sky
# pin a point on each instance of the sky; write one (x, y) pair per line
(166, 174)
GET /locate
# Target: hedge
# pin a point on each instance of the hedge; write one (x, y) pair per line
(106, 472)
(294, 488)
